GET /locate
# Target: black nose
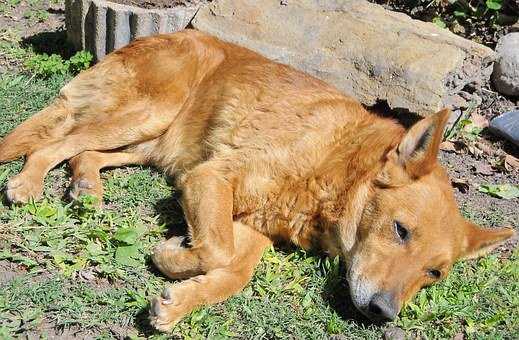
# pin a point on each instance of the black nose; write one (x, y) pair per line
(382, 307)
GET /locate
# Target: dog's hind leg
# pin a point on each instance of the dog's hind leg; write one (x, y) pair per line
(120, 130)
(217, 285)
(43, 128)
(207, 201)
(86, 166)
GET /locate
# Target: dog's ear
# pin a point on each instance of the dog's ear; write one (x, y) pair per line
(417, 152)
(479, 241)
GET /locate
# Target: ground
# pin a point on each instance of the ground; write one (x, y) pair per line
(69, 270)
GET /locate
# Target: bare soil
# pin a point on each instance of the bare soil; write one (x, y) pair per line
(29, 18)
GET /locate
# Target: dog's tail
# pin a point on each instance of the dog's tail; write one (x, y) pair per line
(43, 128)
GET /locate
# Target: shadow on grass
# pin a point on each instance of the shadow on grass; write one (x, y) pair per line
(336, 293)
(171, 215)
(50, 43)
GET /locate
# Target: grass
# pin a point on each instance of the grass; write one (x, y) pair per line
(89, 270)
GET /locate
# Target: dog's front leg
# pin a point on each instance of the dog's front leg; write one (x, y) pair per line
(207, 200)
(217, 285)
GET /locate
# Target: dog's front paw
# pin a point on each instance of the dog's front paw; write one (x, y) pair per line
(21, 189)
(167, 309)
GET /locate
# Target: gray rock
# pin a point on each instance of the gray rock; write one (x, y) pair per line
(394, 333)
(507, 125)
(102, 26)
(338, 337)
(364, 50)
(506, 68)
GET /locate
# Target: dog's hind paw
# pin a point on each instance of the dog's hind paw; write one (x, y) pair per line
(83, 186)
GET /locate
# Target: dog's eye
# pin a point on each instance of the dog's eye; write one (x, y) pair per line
(434, 273)
(401, 231)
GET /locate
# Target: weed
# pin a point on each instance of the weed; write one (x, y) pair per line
(80, 61)
(46, 66)
(38, 15)
(506, 191)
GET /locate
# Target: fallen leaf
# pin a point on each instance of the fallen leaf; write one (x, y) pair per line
(447, 146)
(506, 191)
(487, 149)
(484, 169)
(478, 120)
(511, 162)
(450, 146)
(461, 184)
(473, 150)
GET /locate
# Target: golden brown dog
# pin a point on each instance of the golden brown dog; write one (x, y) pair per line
(262, 153)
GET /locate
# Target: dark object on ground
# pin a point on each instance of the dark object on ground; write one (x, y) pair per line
(507, 125)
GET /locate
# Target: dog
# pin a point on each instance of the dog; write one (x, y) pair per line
(262, 153)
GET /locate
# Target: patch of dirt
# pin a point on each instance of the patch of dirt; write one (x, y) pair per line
(48, 330)
(160, 3)
(30, 17)
(36, 23)
(9, 271)
(482, 208)
(493, 103)
(465, 167)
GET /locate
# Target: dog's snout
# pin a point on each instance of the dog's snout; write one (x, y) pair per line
(382, 307)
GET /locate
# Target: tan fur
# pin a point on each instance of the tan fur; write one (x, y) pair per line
(262, 153)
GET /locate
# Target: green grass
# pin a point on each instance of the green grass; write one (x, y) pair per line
(89, 269)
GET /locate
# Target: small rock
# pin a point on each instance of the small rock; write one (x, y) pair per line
(394, 333)
(459, 336)
(507, 125)
(455, 101)
(506, 68)
(484, 169)
(453, 120)
(87, 275)
(338, 337)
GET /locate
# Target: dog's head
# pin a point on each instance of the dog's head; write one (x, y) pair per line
(411, 231)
